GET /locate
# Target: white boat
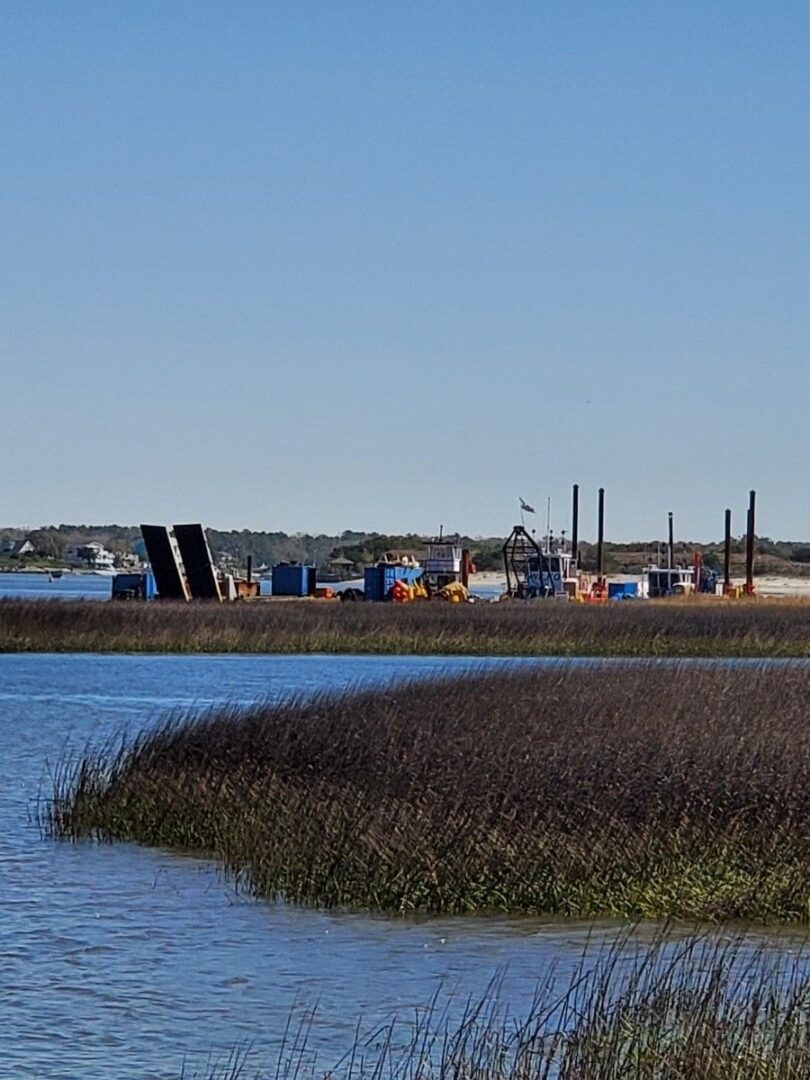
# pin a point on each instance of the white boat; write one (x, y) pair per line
(658, 581)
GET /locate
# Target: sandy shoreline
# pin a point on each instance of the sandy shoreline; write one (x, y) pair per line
(766, 585)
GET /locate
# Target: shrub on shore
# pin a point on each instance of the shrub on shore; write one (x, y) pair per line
(635, 791)
(668, 628)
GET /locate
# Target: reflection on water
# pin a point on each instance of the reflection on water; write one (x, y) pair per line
(24, 586)
(120, 961)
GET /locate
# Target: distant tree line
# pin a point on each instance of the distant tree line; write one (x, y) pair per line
(365, 548)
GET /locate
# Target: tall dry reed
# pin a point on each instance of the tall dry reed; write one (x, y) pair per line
(668, 628)
(635, 791)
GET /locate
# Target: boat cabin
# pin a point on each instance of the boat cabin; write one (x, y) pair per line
(443, 561)
(547, 574)
(668, 581)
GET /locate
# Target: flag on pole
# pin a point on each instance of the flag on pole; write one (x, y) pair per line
(525, 506)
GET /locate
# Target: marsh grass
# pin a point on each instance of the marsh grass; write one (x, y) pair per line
(668, 628)
(698, 1009)
(634, 791)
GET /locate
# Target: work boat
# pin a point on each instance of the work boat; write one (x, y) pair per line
(538, 571)
(658, 581)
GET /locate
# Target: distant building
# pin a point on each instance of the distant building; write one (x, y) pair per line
(93, 555)
(337, 569)
(128, 562)
(16, 548)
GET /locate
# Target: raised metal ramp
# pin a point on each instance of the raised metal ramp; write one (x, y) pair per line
(164, 558)
(199, 566)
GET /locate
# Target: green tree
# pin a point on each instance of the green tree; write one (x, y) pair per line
(47, 543)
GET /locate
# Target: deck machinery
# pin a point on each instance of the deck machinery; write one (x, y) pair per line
(184, 569)
(550, 571)
(534, 572)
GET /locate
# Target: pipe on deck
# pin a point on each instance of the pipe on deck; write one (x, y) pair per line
(600, 539)
(749, 545)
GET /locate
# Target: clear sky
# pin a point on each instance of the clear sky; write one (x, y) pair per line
(317, 266)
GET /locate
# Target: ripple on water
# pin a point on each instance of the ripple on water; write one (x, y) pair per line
(119, 961)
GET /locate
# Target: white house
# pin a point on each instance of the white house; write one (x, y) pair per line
(16, 548)
(93, 555)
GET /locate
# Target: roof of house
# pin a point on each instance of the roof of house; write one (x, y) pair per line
(20, 546)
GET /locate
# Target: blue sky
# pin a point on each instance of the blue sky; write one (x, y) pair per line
(319, 266)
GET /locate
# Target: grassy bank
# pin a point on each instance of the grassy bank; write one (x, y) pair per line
(692, 1010)
(620, 629)
(630, 792)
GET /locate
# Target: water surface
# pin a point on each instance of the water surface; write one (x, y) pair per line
(120, 961)
(30, 586)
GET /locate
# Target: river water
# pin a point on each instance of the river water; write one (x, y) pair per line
(23, 586)
(29, 586)
(122, 962)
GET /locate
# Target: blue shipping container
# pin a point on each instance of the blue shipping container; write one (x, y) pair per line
(134, 587)
(622, 590)
(293, 580)
(378, 580)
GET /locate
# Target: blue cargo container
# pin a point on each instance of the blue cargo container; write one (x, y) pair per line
(378, 580)
(622, 590)
(292, 579)
(134, 587)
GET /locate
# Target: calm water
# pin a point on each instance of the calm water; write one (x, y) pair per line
(68, 587)
(119, 961)
(94, 587)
